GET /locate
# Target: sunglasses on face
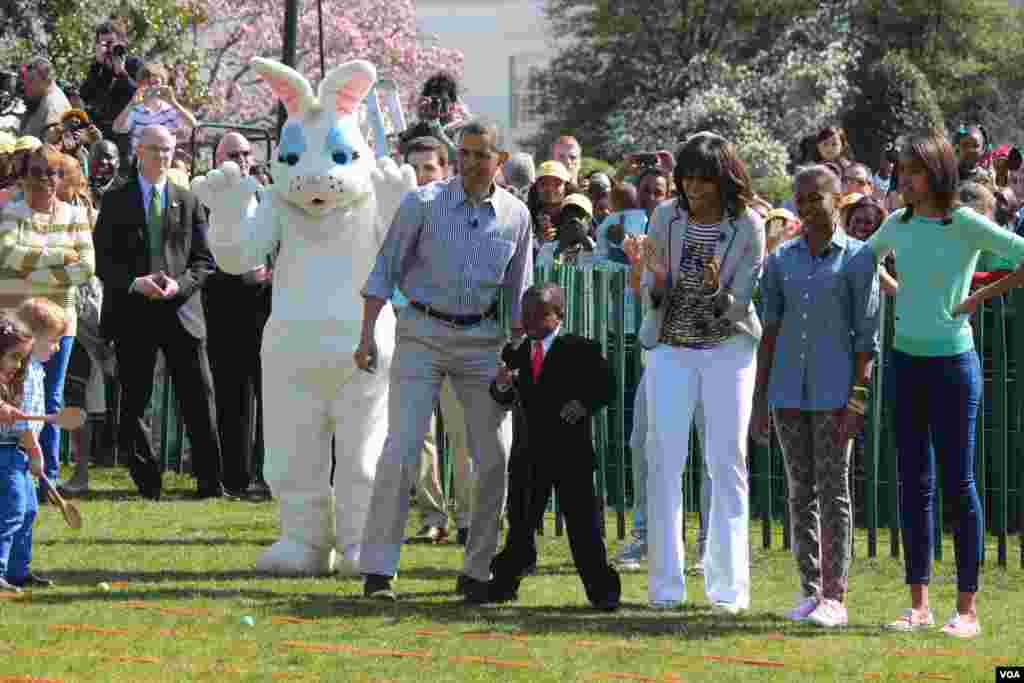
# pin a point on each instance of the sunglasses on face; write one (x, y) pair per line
(40, 173)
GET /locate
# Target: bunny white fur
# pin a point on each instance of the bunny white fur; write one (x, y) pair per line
(323, 219)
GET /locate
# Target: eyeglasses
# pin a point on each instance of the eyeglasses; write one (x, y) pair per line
(39, 173)
(239, 155)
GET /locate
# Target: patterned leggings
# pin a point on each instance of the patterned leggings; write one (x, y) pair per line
(818, 471)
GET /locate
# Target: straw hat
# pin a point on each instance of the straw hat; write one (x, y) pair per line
(579, 200)
(554, 169)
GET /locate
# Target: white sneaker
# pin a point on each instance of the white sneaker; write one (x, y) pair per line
(632, 556)
(829, 614)
(803, 609)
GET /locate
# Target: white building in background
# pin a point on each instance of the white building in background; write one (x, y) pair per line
(503, 42)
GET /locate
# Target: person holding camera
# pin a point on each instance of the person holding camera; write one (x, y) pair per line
(110, 84)
(73, 134)
(154, 104)
(43, 99)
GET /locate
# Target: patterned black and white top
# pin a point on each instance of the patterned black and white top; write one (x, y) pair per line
(690, 319)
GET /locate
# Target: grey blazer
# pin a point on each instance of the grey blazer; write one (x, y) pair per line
(740, 251)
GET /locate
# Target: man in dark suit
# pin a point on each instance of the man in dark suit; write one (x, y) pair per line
(152, 257)
(237, 308)
(559, 382)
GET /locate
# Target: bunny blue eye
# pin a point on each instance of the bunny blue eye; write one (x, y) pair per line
(341, 143)
(293, 144)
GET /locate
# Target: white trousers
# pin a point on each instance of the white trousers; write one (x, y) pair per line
(675, 380)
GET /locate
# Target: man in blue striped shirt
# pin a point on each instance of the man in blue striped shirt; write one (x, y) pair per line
(451, 245)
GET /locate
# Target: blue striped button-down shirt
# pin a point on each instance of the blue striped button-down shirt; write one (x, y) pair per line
(827, 310)
(32, 403)
(451, 254)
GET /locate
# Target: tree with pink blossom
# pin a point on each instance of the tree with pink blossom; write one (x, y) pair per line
(383, 33)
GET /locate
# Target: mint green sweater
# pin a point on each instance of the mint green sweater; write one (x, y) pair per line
(936, 263)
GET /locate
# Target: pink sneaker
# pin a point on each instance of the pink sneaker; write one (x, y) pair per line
(960, 627)
(803, 609)
(829, 614)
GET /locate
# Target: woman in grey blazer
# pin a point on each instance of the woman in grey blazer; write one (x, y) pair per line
(708, 249)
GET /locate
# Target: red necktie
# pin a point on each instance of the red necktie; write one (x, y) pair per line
(537, 359)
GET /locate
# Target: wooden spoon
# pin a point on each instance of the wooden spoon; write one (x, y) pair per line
(71, 514)
(68, 418)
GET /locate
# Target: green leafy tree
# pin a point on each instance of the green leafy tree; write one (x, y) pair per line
(165, 30)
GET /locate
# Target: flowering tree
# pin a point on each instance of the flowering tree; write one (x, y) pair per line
(383, 33)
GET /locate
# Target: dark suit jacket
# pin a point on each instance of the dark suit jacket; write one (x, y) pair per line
(121, 257)
(574, 369)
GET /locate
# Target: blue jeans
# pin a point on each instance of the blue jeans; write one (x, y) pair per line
(53, 387)
(938, 397)
(17, 514)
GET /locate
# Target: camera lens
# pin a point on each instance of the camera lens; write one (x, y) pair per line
(119, 51)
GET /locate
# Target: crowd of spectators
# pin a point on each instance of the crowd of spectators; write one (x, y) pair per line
(76, 151)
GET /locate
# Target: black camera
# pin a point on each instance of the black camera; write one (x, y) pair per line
(11, 90)
(892, 152)
(646, 159)
(118, 51)
(435, 107)
(1015, 159)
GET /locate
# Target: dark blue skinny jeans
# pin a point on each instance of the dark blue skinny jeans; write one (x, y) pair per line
(936, 402)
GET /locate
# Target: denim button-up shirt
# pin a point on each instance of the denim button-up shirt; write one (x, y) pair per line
(826, 309)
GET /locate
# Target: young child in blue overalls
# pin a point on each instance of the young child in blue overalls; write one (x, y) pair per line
(21, 393)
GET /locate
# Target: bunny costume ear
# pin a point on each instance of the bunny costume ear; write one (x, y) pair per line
(287, 84)
(347, 85)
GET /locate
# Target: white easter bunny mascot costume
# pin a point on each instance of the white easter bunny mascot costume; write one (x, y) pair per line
(325, 217)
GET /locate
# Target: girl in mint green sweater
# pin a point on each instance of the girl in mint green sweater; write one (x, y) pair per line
(935, 368)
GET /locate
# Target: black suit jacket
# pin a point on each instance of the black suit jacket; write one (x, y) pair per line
(574, 369)
(121, 257)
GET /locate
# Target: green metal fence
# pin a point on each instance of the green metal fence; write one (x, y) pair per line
(598, 307)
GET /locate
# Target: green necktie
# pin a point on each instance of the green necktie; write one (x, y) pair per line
(154, 231)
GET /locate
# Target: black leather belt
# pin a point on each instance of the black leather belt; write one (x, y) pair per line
(456, 320)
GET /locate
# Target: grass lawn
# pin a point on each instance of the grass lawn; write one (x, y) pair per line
(182, 582)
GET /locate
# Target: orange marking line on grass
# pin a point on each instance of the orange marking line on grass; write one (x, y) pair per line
(624, 676)
(613, 645)
(292, 620)
(89, 628)
(492, 661)
(746, 660)
(490, 635)
(358, 652)
(428, 633)
(775, 636)
(187, 611)
(932, 653)
(14, 597)
(873, 675)
(118, 584)
(129, 659)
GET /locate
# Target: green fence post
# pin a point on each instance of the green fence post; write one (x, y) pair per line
(873, 440)
(999, 499)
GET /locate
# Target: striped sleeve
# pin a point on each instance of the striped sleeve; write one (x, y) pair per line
(24, 250)
(79, 236)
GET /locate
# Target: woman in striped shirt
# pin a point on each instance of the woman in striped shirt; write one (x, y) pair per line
(708, 252)
(46, 250)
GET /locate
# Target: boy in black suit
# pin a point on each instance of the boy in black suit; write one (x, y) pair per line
(559, 382)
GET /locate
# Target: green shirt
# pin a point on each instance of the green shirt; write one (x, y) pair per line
(936, 263)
